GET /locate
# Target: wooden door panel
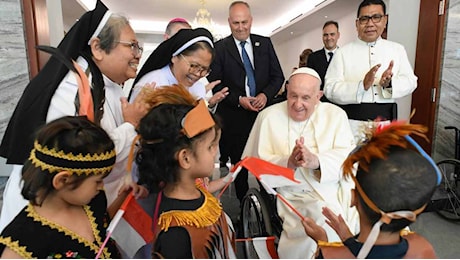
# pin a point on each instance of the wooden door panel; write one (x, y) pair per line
(427, 67)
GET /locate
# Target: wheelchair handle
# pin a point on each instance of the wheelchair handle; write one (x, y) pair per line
(457, 140)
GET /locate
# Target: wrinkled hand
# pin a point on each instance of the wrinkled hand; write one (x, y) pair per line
(370, 76)
(337, 223)
(302, 157)
(211, 85)
(259, 101)
(246, 103)
(313, 230)
(218, 96)
(139, 191)
(387, 75)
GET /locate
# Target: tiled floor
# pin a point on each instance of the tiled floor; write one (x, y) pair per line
(444, 235)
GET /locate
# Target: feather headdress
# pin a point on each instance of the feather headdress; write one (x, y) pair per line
(379, 140)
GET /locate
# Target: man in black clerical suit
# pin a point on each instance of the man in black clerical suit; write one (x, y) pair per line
(247, 64)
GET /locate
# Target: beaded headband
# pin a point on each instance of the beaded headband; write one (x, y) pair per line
(57, 161)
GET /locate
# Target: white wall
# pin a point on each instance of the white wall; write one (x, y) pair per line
(55, 20)
(288, 52)
(403, 28)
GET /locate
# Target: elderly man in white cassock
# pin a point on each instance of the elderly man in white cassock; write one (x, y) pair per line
(313, 138)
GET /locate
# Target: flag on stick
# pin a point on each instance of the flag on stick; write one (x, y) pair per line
(131, 227)
(234, 172)
(271, 175)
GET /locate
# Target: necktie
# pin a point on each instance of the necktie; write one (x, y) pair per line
(249, 70)
(330, 55)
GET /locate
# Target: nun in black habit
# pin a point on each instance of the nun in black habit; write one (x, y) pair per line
(183, 59)
(104, 45)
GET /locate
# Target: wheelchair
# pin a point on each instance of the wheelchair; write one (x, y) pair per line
(446, 199)
(259, 218)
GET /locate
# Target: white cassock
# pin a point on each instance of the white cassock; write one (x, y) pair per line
(327, 134)
(343, 83)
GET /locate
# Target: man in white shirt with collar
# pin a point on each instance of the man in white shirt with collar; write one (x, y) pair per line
(320, 59)
(367, 75)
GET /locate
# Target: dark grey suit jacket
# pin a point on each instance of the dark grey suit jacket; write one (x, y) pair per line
(228, 67)
(318, 61)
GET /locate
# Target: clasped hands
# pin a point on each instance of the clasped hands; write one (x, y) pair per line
(255, 104)
(385, 80)
(302, 157)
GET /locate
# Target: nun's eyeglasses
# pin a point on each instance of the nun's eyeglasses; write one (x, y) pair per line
(196, 68)
(135, 48)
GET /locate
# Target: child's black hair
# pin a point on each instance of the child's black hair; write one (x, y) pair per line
(161, 138)
(404, 180)
(76, 135)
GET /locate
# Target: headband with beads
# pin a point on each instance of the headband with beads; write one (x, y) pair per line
(56, 161)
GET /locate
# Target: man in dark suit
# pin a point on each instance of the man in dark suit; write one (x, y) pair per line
(247, 64)
(319, 60)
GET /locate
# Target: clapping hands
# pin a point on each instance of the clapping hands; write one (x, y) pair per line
(336, 222)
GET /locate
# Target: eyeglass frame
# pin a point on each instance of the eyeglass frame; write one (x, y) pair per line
(195, 66)
(135, 48)
(375, 18)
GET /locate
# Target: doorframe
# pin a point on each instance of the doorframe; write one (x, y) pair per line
(36, 30)
(428, 59)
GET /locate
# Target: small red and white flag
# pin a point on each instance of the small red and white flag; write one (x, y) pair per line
(271, 176)
(264, 246)
(131, 227)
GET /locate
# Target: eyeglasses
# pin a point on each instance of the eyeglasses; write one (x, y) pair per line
(196, 68)
(375, 18)
(135, 48)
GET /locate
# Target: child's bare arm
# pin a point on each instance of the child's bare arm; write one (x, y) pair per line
(139, 191)
(216, 185)
(313, 230)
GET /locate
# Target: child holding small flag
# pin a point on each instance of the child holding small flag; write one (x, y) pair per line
(179, 144)
(63, 180)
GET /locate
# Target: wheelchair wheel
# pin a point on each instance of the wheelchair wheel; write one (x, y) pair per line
(449, 207)
(255, 220)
